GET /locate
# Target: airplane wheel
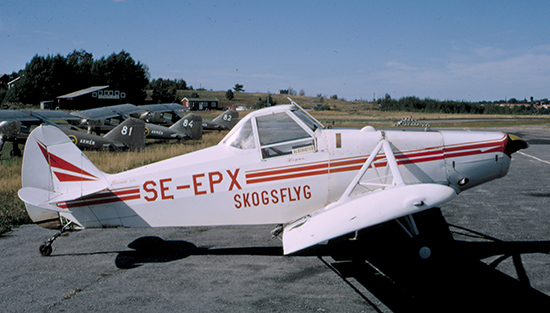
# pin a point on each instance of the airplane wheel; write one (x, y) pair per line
(45, 249)
(425, 253)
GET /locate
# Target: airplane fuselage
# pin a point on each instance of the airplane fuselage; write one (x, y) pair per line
(225, 185)
(276, 166)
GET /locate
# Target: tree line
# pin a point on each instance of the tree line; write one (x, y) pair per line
(47, 77)
(415, 104)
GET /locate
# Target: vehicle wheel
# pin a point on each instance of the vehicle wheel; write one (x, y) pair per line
(425, 253)
(45, 249)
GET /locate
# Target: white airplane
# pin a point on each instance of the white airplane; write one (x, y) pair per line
(277, 166)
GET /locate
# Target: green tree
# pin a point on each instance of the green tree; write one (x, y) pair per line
(3, 93)
(166, 90)
(161, 91)
(79, 67)
(262, 103)
(238, 88)
(45, 78)
(38, 81)
(121, 72)
(229, 95)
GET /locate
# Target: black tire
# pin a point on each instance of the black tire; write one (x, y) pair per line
(45, 249)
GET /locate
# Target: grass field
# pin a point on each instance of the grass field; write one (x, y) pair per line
(12, 210)
(345, 114)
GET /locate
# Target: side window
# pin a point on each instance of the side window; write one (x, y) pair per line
(281, 135)
(243, 138)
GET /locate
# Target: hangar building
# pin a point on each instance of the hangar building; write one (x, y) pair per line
(91, 97)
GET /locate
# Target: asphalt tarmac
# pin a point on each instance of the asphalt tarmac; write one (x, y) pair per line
(489, 253)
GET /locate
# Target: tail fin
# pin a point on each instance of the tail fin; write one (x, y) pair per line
(227, 119)
(131, 133)
(191, 125)
(55, 170)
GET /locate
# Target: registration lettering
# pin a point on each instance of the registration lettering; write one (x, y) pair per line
(201, 184)
(212, 182)
(273, 196)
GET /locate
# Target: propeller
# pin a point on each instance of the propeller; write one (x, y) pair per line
(513, 144)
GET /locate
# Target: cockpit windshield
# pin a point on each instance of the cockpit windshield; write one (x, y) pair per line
(312, 123)
(278, 127)
(276, 133)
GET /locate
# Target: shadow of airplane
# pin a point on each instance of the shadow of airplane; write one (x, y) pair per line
(453, 279)
(385, 261)
(153, 249)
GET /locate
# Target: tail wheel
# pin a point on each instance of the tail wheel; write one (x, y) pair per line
(45, 249)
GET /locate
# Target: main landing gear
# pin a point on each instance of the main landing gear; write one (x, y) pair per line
(277, 231)
(428, 232)
(409, 225)
(45, 248)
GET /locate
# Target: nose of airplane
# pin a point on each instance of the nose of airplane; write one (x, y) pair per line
(513, 144)
(473, 158)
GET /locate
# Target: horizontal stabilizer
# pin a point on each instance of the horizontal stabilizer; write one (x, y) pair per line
(39, 198)
(362, 211)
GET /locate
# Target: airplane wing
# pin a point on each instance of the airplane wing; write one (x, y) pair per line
(17, 115)
(365, 203)
(108, 111)
(29, 116)
(128, 109)
(55, 115)
(95, 114)
(163, 107)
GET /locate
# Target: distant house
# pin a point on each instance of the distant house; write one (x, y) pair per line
(282, 92)
(91, 97)
(201, 103)
(5, 82)
(10, 83)
(536, 105)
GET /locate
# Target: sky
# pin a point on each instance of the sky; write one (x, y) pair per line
(446, 50)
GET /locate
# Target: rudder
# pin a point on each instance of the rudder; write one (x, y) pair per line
(190, 125)
(54, 170)
(131, 133)
(227, 119)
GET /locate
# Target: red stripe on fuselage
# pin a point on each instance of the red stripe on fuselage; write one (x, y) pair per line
(353, 164)
(286, 171)
(103, 197)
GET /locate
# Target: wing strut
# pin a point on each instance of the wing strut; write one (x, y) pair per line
(410, 225)
(381, 180)
(368, 200)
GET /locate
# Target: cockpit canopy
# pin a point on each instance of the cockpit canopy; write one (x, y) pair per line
(279, 130)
